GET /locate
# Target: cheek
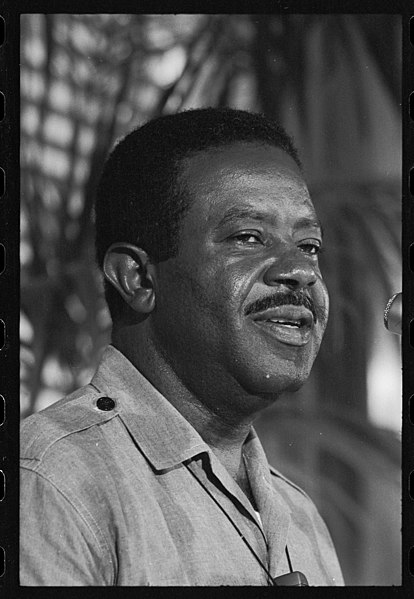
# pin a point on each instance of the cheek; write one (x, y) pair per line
(212, 286)
(186, 297)
(323, 300)
(203, 301)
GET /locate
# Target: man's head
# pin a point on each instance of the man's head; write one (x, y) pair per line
(141, 197)
(216, 243)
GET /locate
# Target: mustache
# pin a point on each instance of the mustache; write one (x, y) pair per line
(285, 298)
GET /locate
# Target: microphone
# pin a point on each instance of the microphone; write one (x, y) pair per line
(293, 579)
(393, 314)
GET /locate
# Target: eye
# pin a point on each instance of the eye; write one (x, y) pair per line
(248, 238)
(313, 247)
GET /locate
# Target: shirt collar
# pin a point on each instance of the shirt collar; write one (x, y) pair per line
(167, 439)
(274, 511)
(164, 436)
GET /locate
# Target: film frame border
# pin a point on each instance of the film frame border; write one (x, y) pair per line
(10, 12)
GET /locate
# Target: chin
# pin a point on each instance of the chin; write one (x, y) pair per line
(268, 375)
(271, 385)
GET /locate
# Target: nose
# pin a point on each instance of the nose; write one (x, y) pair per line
(294, 273)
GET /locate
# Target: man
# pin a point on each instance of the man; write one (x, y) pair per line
(152, 474)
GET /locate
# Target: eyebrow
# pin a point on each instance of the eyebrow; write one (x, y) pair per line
(302, 223)
(234, 214)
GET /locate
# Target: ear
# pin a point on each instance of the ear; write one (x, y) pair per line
(129, 269)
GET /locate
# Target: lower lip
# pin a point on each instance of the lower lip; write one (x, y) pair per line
(295, 336)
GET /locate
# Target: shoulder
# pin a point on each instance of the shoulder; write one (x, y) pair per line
(66, 450)
(304, 513)
(294, 496)
(73, 414)
(307, 528)
(280, 479)
(63, 475)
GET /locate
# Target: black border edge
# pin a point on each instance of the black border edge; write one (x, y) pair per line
(408, 301)
(10, 296)
(10, 10)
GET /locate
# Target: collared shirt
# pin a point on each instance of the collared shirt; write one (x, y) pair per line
(134, 496)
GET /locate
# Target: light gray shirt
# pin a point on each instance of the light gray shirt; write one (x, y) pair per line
(132, 495)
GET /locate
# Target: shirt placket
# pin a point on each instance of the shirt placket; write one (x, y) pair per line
(236, 507)
(274, 513)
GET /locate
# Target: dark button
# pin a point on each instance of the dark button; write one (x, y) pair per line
(105, 404)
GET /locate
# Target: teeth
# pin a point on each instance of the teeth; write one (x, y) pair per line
(286, 322)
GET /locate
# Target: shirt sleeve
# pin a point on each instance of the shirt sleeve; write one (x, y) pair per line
(58, 546)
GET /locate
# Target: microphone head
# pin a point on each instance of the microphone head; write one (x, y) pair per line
(393, 314)
(292, 579)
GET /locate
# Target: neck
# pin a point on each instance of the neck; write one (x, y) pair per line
(206, 408)
(224, 430)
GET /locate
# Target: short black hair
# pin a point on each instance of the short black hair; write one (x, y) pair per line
(140, 199)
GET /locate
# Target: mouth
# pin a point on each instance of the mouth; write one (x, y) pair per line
(291, 325)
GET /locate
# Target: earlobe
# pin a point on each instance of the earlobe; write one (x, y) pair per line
(128, 268)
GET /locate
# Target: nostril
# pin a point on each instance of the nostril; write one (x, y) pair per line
(294, 279)
(293, 283)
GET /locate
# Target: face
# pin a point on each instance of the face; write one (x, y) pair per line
(242, 308)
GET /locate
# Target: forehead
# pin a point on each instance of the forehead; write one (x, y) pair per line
(244, 172)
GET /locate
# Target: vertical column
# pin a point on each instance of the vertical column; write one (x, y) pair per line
(9, 296)
(2, 323)
(408, 305)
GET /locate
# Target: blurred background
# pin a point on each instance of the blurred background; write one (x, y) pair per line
(333, 81)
